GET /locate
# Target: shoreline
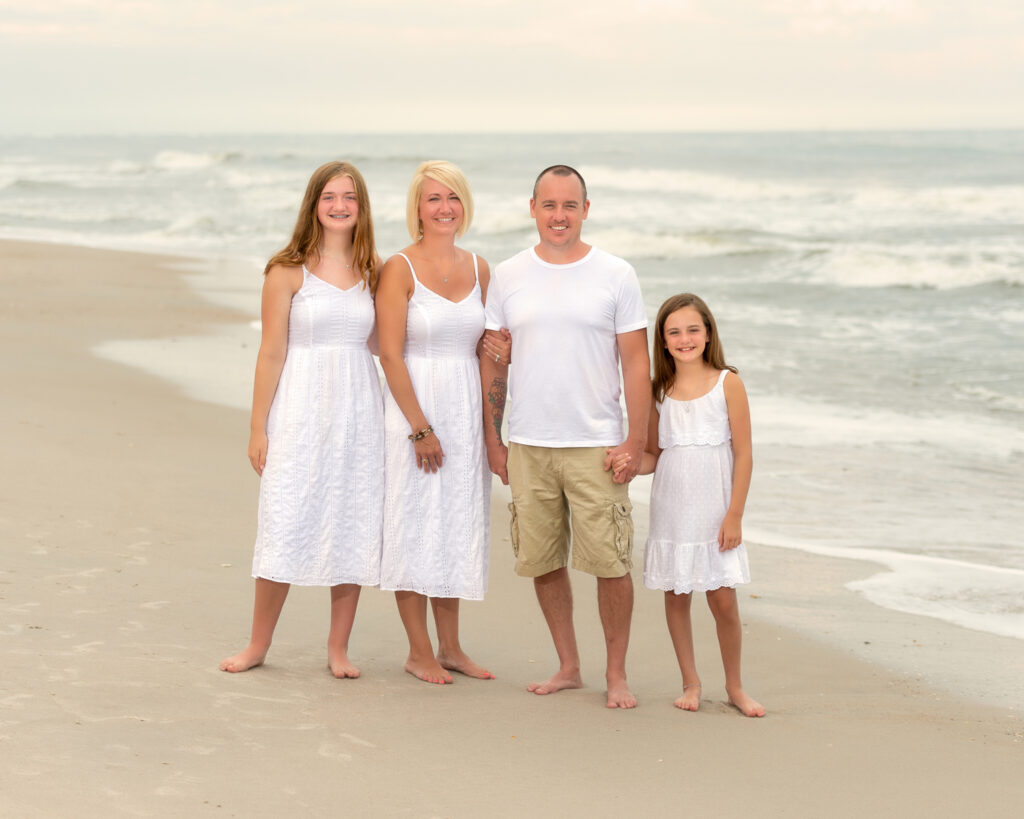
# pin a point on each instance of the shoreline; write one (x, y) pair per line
(130, 510)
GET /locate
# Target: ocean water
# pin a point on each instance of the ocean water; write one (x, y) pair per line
(869, 286)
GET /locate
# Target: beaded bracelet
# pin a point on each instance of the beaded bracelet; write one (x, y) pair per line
(423, 433)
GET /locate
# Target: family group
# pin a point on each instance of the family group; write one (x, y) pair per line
(391, 489)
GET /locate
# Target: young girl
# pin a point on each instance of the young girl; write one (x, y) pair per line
(699, 439)
(317, 436)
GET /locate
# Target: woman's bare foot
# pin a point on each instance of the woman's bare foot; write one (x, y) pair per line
(250, 657)
(429, 671)
(463, 665)
(690, 701)
(560, 681)
(746, 705)
(619, 695)
(340, 665)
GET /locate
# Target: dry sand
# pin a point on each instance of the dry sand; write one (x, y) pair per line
(127, 517)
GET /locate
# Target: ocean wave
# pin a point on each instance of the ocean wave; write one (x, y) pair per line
(782, 421)
(971, 595)
(193, 225)
(172, 160)
(807, 209)
(125, 167)
(990, 399)
(695, 183)
(634, 244)
(941, 267)
(1002, 204)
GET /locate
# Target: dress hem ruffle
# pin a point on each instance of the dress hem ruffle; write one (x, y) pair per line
(312, 582)
(389, 587)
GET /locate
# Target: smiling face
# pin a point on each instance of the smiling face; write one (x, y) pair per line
(559, 209)
(440, 209)
(685, 335)
(338, 206)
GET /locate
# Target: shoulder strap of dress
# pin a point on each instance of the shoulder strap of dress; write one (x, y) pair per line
(476, 269)
(721, 376)
(305, 273)
(411, 268)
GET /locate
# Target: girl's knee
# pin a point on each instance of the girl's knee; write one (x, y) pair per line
(722, 602)
(678, 602)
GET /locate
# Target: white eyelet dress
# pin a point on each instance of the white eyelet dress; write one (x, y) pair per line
(690, 496)
(322, 490)
(436, 525)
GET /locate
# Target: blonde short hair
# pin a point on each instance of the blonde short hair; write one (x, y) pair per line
(448, 175)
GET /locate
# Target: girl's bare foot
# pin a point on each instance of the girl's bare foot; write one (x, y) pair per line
(429, 671)
(619, 695)
(463, 665)
(560, 681)
(340, 665)
(746, 705)
(690, 701)
(250, 657)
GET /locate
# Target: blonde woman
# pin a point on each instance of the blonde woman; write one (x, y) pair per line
(430, 321)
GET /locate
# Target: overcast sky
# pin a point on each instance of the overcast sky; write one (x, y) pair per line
(129, 66)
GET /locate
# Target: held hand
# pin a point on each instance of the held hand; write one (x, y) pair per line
(258, 451)
(497, 461)
(497, 346)
(619, 463)
(624, 469)
(730, 535)
(429, 455)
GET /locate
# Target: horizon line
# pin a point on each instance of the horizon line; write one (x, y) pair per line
(921, 129)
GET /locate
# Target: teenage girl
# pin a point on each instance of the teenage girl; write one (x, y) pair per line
(317, 431)
(699, 439)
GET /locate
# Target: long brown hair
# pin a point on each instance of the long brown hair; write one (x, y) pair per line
(664, 364)
(304, 247)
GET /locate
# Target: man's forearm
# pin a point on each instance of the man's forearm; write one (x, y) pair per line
(494, 383)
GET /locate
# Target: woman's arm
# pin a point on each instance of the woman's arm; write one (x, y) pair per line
(279, 286)
(392, 303)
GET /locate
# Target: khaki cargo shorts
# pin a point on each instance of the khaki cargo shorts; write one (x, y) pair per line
(558, 491)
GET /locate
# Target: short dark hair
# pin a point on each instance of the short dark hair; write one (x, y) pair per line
(560, 170)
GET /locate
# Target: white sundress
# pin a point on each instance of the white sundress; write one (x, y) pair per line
(437, 525)
(690, 496)
(322, 489)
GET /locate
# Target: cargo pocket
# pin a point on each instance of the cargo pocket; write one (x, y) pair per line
(514, 528)
(623, 531)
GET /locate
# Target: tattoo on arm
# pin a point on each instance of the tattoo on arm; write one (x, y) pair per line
(496, 398)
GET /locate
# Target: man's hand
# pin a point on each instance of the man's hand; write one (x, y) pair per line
(497, 460)
(624, 460)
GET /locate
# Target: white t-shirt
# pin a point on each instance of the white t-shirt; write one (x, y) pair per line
(564, 381)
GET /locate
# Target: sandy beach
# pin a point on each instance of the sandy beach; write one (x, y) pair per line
(127, 513)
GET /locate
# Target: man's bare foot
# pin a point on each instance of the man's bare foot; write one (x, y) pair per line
(690, 701)
(340, 665)
(250, 657)
(746, 705)
(561, 680)
(428, 671)
(619, 695)
(463, 665)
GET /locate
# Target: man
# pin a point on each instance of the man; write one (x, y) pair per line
(574, 313)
